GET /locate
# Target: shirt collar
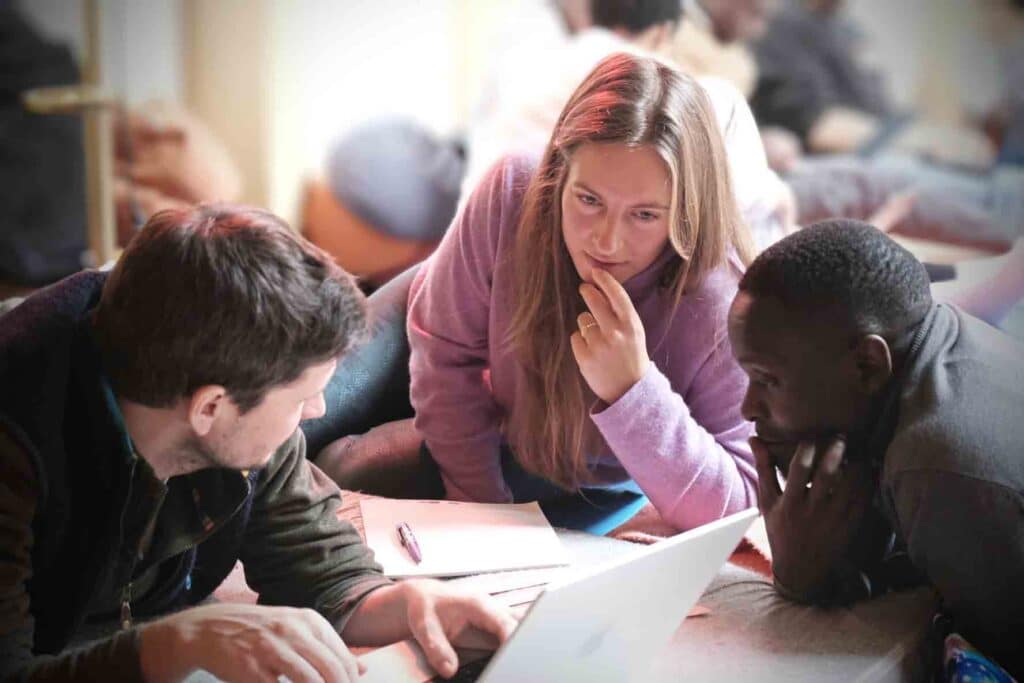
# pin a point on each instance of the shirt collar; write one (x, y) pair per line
(129, 454)
(882, 424)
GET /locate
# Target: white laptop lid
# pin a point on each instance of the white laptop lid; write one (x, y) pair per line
(607, 624)
(604, 624)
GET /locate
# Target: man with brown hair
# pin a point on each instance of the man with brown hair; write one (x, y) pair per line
(148, 440)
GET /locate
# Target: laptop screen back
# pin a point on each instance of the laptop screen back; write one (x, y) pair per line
(608, 623)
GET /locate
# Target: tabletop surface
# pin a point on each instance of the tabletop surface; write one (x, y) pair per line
(751, 633)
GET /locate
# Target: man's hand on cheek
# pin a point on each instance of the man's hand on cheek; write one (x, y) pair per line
(781, 453)
(811, 524)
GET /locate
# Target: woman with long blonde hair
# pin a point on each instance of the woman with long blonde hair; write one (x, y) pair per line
(570, 328)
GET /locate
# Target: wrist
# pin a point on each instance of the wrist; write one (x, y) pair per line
(160, 652)
(799, 584)
(382, 617)
(613, 397)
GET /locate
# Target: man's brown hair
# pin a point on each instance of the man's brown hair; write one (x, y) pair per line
(221, 294)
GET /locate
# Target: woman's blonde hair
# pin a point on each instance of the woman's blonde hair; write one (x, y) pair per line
(630, 100)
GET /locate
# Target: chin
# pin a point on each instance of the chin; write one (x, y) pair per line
(260, 462)
(246, 464)
(585, 272)
(782, 453)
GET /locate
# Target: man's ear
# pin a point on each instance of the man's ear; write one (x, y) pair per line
(206, 405)
(874, 363)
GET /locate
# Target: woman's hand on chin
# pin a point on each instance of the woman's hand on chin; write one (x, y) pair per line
(610, 346)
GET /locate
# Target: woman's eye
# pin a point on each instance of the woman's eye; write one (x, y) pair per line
(587, 199)
(646, 216)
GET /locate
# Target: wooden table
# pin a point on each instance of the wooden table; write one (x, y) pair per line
(751, 633)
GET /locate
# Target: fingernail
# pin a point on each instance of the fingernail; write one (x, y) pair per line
(835, 457)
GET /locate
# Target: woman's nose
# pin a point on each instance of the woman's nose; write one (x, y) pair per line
(607, 237)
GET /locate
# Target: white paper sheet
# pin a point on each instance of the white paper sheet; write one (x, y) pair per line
(456, 538)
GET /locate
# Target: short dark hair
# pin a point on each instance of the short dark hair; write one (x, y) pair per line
(221, 294)
(634, 15)
(846, 268)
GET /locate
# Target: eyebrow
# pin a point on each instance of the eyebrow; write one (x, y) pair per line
(760, 362)
(642, 205)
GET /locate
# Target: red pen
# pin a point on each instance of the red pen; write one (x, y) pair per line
(405, 535)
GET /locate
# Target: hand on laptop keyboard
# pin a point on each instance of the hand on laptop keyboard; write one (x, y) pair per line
(467, 673)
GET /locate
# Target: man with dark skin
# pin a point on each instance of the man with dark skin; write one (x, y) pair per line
(899, 425)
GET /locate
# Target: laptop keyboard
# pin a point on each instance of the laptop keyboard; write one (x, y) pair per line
(467, 673)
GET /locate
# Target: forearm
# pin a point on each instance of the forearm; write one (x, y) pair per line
(871, 564)
(691, 475)
(380, 619)
(118, 653)
(297, 552)
(841, 584)
(449, 327)
(456, 414)
(437, 616)
(471, 469)
(458, 418)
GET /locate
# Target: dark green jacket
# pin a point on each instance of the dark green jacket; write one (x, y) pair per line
(82, 519)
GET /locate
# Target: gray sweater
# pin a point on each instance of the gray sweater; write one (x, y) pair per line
(952, 477)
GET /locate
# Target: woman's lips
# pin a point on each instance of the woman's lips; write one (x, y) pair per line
(603, 264)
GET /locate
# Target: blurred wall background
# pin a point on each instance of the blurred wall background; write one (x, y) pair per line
(278, 80)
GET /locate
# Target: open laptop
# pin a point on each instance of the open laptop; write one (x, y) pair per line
(605, 624)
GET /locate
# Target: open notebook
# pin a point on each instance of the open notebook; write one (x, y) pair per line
(456, 538)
